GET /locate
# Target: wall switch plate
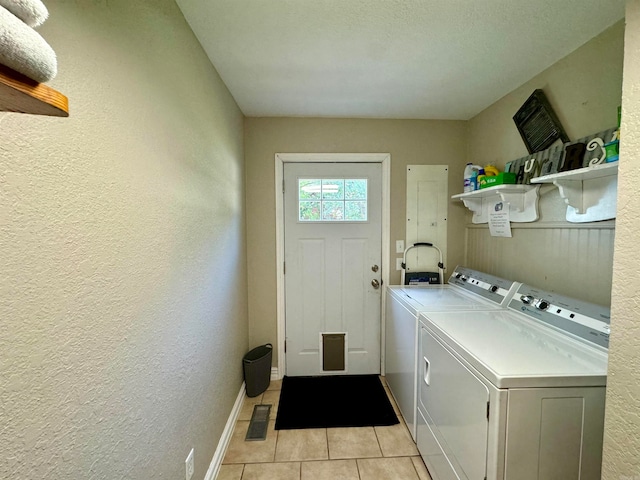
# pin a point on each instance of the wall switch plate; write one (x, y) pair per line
(399, 246)
(398, 264)
(188, 465)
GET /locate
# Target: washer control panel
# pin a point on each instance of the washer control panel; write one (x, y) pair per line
(586, 321)
(495, 289)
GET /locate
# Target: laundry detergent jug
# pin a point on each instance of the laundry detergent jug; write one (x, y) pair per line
(471, 177)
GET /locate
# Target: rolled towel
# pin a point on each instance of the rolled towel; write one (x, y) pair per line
(31, 12)
(24, 50)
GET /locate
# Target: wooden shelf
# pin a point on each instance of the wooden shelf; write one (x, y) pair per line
(590, 192)
(586, 173)
(493, 191)
(21, 94)
(522, 201)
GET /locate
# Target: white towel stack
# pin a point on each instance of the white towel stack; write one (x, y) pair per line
(21, 47)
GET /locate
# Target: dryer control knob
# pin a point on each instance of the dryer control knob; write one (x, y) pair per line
(527, 299)
(542, 305)
(494, 288)
(464, 278)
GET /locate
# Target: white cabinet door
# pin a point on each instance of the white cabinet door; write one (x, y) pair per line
(555, 433)
(456, 401)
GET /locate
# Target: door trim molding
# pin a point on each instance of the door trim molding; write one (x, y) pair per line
(280, 160)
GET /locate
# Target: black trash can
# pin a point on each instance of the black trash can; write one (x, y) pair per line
(257, 369)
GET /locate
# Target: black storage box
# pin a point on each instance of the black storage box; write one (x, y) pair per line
(421, 278)
(256, 365)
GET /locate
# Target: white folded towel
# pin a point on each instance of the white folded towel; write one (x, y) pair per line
(24, 50)
(31, 12)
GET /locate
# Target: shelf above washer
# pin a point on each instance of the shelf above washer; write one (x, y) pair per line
(589, 192)
(522, 201)
(586, 173)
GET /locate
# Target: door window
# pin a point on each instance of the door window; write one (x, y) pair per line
(332, 199)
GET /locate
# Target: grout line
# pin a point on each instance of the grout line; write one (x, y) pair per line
(326, 434)
(414, 468)
(375, 432)
(317, 460)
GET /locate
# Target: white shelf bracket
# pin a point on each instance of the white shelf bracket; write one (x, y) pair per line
(515, 200)
(571, 192)
(589, 192)
(522, 201)
(473, 204)
(523, 205)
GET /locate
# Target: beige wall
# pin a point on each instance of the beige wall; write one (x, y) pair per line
(622, 421)
(408, 141)
(123, 288)
(584, 89)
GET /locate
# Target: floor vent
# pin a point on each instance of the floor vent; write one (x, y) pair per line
(259, 423)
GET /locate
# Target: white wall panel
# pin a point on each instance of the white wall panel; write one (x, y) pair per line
(572, 260)
(427, 213)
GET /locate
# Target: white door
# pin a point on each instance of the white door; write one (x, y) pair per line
(333, 233)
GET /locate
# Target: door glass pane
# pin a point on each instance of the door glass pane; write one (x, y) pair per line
(355, 210)
(332, 199)
(332, 211)
(332, 189)
(310, 188)
(355, 189)
(309, 211)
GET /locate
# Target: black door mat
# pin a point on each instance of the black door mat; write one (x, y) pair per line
(259, 423)
(334, 401)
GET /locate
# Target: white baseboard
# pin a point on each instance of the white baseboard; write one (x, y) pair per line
(275, 375)
(218, 455)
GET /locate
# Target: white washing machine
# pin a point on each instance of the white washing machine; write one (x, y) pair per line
(467, 290)
(516, 394)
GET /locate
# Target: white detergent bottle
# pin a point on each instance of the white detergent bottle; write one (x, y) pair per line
(471, 177)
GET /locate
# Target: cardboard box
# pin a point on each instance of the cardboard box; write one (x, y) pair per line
(503, 178)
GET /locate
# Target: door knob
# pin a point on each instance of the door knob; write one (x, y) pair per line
(375, 283)
(375, 268)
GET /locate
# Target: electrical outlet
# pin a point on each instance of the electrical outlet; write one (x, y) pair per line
(188, 465)
(399, 246)
(398, 264)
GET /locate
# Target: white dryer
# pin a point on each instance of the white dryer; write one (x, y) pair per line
(467, 290)
(516, 394)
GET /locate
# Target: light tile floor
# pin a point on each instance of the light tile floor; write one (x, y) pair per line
(364, 453)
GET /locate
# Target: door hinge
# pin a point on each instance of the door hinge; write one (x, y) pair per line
(283, 186)
(285, 346)
(284, 268)
(488, 408)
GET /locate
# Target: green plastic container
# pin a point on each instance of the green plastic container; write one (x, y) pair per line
(503, 178)
(612, 150)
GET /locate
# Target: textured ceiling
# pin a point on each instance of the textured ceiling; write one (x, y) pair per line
(446, 59)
